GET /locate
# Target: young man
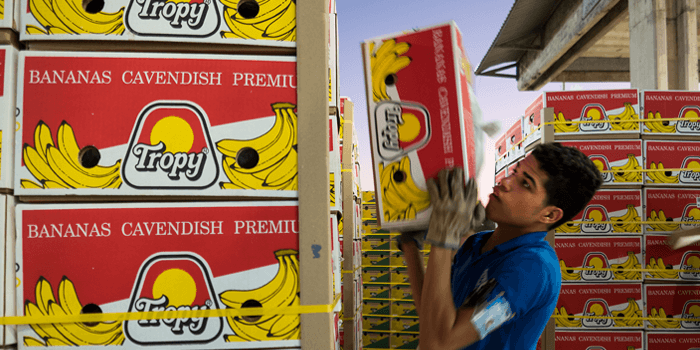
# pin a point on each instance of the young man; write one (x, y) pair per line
(500, 288)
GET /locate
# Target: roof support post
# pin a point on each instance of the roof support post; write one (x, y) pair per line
(682, 39)
(648, 55)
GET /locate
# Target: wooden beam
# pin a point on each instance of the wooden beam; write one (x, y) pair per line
(572, 29)
(349, 224)
(592, 77)
(648, 49)
(600, 64)
(314, 198)
(687, 45)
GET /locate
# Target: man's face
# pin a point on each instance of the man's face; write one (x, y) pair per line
(519, 199)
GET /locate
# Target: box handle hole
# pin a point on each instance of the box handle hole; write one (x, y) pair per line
(93, 6)
(89, 157)
(248, 8)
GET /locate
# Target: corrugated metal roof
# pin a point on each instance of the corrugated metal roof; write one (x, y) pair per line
(520, 31)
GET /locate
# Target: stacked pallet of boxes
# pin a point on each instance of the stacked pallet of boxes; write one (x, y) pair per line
(167, 138)
(352, 197)
(604, 250)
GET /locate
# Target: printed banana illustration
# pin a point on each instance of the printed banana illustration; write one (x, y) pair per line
(568, 127)
(402, 198)
(60, 167)
(657, 175)
(658, 126)
(630, 316)
(69, 17)
(622, 271)
(267, 162)
(104, 333)
(281, 291)
(663, 271)
(627, 120)
(332, 189)
(566, 321)
(275, 20)
(665, 224)
(566, 275)
(568, 227)
(659, 319)
(386, 61)
(624, 173)
(626, 222)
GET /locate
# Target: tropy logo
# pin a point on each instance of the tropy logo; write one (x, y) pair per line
(692, 173)
(691, 314)
(176, 18)
(599, 218)
(177, 281)
(691, 124)
(596, 308)
(597, 261)
(602, 163)
(170, 147)
(690, 263)
(401, 127)
(595, 113)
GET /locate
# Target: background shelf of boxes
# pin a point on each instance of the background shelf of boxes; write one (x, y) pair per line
(155, 151)
(613, 255)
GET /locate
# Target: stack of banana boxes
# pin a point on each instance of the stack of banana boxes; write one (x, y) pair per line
(155, 181)
(623, 287)
(351, 330)
(390, 318)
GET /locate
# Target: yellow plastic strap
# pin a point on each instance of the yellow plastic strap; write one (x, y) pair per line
(391, 332)
(346, 170)
(353, 271)
(644, 170)
(158, 315)
(626, 222)
(625, 270)
(347, 121)
(696, 319)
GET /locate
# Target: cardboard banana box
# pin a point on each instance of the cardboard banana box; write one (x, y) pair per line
(404, 324)
(421, 106)
(153, 124)
(8, 87)
(9, 14)
(514, 142)
(623, 254)
(159, 256)
(611, 212)
(677, 307)
(403, 308)
(404, 341)
(532, 123)
(668, 263)
(376, 323)
(500, 176)
(595, 302)
(671, 340)
(375, 340)
(599, 340)
(620, 162)
(672, 163)
(332, 59)
(658, 106)
(341, 109)
(7, 254)
(368, 198)
(334, 165)
(501, 153)
(510, 169)
(336, 264)
(671, 209)
(596, 112)
(254, 22)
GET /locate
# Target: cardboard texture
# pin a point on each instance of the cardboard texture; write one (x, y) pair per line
(8, 76)
(672, 303)
(514, 145)
(620, 161)
(334, 165)
(341, 110)
(681, 158)
(532, 123)
(659, 340)
(372, 340)
(671, 105)
(620, 107)
(7, 247)
(260, 23)
(624, 207)
(621, 253)
(418, 126)
(336, 268)
(602, 299)
(9, 14)
(599, 340)
(333, 60)
(162, 263)
(667, 262)
(672, 208)
(170, 132)
(501, 153)
(404, 341)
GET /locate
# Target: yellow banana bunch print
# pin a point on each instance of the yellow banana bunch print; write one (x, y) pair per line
(402, 199)
(385, 63)
(260, 20)
(58, 165)
(69, 17)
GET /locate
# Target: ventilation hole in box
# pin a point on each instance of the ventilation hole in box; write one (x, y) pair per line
(391, 79)
(247, 158)
(89, 157)
(251, 303)
(93, 6)
(91, 309)
(248, 8)
(399, 176)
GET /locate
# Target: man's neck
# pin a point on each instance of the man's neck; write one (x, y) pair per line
(504, 234)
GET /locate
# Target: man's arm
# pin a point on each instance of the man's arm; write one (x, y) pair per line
(414, 264)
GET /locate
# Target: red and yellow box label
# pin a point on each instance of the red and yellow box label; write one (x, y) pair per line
(600, 306)
(613, 212)
(682, 264)
(662, 106)
(673, 307)
(619, 161)
(672, 163)
(605, 259)
(671, 209)
(599, 340)
(594, 112)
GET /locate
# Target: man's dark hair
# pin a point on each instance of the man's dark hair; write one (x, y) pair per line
(572, 181)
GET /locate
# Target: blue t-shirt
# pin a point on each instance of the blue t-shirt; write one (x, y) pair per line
(526, 272)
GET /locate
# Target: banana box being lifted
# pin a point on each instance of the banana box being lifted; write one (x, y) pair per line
(671, 113)
(666, 264)
(671, 340)
(619, 161)
(269, 23)
(668, 210)
(610, 306)
(8, 125)
(672, 163)
(596, 112)
(153, 124)
(155, 257)
(420, 107)
(603, 259)
(672, 307)
(9, 14)
(599, 340)
(610, 212)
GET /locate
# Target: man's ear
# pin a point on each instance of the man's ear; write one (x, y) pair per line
(551, 214)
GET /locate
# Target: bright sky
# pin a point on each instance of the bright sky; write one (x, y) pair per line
(479, 22)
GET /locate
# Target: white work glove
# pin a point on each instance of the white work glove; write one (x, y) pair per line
(457, 210)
